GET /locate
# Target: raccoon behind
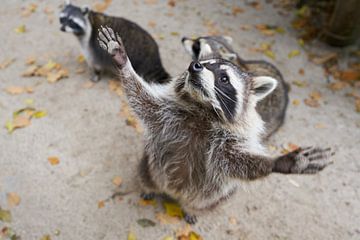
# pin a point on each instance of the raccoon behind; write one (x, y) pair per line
(142, 49)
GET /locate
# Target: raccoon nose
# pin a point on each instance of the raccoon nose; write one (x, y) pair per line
(195, 67)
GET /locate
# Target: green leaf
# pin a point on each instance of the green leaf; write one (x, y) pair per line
(5, 215)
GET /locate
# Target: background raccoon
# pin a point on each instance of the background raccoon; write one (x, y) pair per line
(200, 143)
(141, 47)
(272, 109)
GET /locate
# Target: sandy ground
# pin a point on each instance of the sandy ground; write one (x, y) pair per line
(94, 144)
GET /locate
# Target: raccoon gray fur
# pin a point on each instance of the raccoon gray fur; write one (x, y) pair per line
(203, 141)
(142, 49)
(272, 109)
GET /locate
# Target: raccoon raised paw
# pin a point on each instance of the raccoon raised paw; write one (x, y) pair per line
(112, 43)
(308, 160)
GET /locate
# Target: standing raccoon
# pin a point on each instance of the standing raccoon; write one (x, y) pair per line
(203, 140)
(142, 49)
(272, 109)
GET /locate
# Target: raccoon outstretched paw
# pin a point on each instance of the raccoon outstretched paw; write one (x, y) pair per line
(147, 196)
(112, 43)
(308, 160)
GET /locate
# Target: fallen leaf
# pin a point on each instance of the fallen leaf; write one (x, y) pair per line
(4, 64)
(320, 125)
(151, 2)
(168, 238)
(357, 105)
(117, 180)
(13, 199)
(301, 42)
(236, 10)
(174, 33)
(173, 209)
(53, 160)
(27, 11)
(144, 222)
(194, 236)
(338, 85)
(183, 231)
(80, 59)
(14, 90)
(269, 54)
(5, 215)
(350, 75)
(323, 59)
(20, 29)
(299, 83)
(45, 237)
(30, 61)
(311, 103)
(39, 114)
(131, 236)
(232, 220)
(293, 147)
(172, 3)
(166, 219)
(294, 53)
(8, 233)
(116, 87)
(296, 102)
(152, 24)
(21, 122)
(88, 84)
(54, 77)
(101, 204)
(316, 95)
(301, 71)
(102, 6)
(31, 71)
(143, 202)
(29, 101)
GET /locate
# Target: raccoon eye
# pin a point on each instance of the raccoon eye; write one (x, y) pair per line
(224, 79)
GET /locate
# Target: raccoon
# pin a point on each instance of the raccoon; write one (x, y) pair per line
(272, 109)
(141, 47)
(204, 141)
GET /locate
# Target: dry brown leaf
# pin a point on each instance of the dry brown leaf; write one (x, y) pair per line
(320, 125)
(53, 160)
(101, 204)
(27, 11)
(80, 70)
(255, 4)
(172, 3)
(102, 6)
(4, 64)
(21, 122)
(350, 75)
(144, 203)
(46, 237)
(316, 95)
(117, 180)
(166, 219)
(151, 2)
(152, 24)
(338, 85)
(301, 71)
(30, 61)
(236, 10)
(311, 103)
(183, 231)
(13, 199)
(232, 220)
(115, 86)
(14, 90)
(88, 84)
(53, 77)
(245, 27)
(30, 71)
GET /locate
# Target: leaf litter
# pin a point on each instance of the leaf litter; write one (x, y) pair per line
(22, 118)
(52, 71)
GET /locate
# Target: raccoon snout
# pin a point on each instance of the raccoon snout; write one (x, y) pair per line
(195, 67)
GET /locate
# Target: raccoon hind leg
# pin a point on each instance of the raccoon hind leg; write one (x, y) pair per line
(148, 186)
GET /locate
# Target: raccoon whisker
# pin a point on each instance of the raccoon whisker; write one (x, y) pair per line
(222, 100)
(224, 94)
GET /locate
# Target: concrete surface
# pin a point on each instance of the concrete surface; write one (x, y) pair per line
(83, 128)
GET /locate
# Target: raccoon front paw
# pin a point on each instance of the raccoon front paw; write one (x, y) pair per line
(308, 160)
(190, 219)
(112, 43)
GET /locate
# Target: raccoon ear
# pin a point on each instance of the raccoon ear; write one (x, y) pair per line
(230, 56)
(263, 86)
(187, 43)
(85, 10)
(228, 39)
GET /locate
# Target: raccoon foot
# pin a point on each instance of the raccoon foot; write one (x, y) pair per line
(112, 43)
(147, 196)
(190, 219)
(308, 160)
(95, 76)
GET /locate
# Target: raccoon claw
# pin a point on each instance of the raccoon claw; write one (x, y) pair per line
(111, 42)
(147, 196)
(190, 219)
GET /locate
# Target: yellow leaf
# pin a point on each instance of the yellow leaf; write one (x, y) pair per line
(316, 95)
(131, 236)
(13, 199)
(117, 181)
(173, 209)
(56, 76)
(299, 83)
(294, 53)
(29, 101)
(168, 238)
(296, 102)
(301, 42)
(53, 160)
(194, 236)
(81, 59)
(20, 29)
(9, 126)
(39, 114)
(5, 215)
(45, 237)
(269, 54)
